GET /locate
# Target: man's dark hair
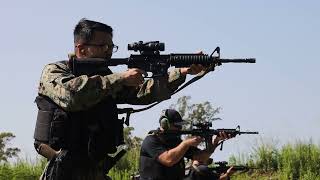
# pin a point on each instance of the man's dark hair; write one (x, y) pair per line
(85, 28)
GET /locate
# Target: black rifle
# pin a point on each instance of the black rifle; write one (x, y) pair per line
(203, 130)
(222, 167)
(150, 60)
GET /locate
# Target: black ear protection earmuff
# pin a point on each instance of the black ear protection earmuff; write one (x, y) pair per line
(164, 121)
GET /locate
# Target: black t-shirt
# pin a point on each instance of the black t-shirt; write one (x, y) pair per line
(151, 168)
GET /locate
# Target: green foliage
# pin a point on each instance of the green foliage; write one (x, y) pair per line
(266, 156)
(7, 152)
(130, 141)
(293, 161)
(300, 160)
(129, 163)
(201, 112)
(119, 175)
(22, 170)
(255, 176)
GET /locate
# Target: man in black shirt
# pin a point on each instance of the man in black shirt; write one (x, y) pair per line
(162, 156)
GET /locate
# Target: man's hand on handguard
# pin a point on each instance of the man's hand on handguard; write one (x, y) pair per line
(226, 175)
(193, 141)
(193, 69)
(221, 137)
(133, 77)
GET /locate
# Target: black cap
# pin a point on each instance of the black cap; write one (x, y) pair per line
(173, 116)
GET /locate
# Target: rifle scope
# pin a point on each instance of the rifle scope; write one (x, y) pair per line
(147, 46)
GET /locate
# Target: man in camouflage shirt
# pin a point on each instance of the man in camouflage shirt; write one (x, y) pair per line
(84, 97)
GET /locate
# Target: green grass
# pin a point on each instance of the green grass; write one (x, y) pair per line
(300, 160)
(22, 170)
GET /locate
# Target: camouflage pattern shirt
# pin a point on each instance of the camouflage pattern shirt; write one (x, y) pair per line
(76, 93)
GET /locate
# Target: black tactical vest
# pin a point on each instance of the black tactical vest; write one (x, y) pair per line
(91, 133)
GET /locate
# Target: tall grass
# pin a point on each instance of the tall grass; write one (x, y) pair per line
(26, 170)
(300, 160)
(22, 170)
(127, 166)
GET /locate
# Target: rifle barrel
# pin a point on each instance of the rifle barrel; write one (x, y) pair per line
(249, 132)
(246, 60)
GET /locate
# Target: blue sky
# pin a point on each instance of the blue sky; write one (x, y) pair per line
(278, 96)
